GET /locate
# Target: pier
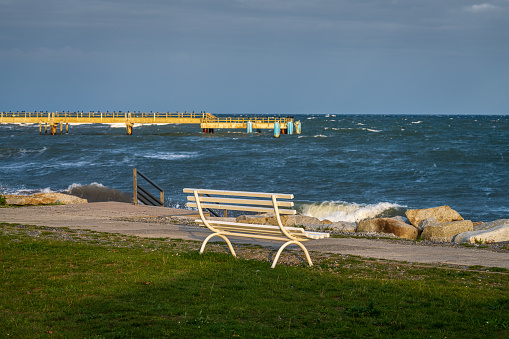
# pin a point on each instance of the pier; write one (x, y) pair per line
(207, 121)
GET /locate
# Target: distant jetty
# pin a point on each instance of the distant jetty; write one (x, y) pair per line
(50, 121)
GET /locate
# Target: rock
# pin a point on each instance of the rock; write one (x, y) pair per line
(442, 214)
(496, 233)
(486, 225)
(343, 226)
(326, 221)
(296, 220)
(388, 225)
(446, 231)
(427, 222)
(43, 199)
(286, 220)
(261, 219)
(401, 218)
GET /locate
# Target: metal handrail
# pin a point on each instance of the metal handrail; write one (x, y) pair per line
(141, 194)
(107, 114)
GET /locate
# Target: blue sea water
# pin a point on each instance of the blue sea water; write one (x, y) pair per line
(342, 167)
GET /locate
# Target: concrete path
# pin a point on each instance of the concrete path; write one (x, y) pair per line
(105, 217)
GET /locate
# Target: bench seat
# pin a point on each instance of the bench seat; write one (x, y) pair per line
(269, 229)
(253, 202)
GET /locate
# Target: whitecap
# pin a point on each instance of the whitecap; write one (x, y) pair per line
(349, 212)
(320, 136)
(416, 122)
(119, 125)
(171, 155)
(373, 130)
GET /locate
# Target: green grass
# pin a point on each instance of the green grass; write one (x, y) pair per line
(111, 286)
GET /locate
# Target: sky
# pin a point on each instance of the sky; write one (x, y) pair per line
(256, 56)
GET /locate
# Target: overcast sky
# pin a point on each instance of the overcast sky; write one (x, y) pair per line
(255, 56)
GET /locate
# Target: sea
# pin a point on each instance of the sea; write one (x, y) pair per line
(340, 168)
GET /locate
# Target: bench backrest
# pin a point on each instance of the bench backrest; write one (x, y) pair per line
(240, 201)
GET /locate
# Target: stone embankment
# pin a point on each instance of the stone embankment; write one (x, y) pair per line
(438, 224)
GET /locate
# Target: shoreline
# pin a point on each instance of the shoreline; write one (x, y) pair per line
(131, 220)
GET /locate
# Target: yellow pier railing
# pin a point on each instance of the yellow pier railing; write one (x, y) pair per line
(207, 121)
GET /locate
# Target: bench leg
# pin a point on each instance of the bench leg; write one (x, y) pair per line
(290, 243)
(217, 235)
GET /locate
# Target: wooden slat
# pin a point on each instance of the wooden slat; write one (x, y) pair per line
(241, 201)
(241, 208)
(239, 193)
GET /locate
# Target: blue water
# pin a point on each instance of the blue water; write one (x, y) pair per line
(342, 167)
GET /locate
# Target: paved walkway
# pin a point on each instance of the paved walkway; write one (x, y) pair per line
(104, 217)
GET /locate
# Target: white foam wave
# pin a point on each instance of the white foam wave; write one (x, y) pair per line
(24, 191)
(96, 192)
(118, 125)
(171, 155)
(350, 212)
(373, 130)
(320, 136)
(76, 185)
(416, 122)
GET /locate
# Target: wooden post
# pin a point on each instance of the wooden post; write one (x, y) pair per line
(135, 187)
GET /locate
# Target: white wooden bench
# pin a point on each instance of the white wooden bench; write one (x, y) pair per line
(253, 202)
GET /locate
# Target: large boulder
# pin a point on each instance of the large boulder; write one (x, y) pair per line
(388, 225)
(43, 199)
(496, 231)
(441, 214)
(446, 231)
(486, 225)
(427, 222)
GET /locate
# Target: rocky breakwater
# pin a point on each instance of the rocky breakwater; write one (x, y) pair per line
(42, 199)
(438, 224)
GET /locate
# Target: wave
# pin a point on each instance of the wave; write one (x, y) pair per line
(96, 192)
(343, 211)
(117, 125)
(23, 190)
(171, 155)
(7, 152)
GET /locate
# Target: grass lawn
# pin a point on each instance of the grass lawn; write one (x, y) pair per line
(69, 284)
